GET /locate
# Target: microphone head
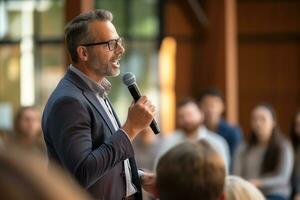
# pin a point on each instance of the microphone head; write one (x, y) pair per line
(128, 78)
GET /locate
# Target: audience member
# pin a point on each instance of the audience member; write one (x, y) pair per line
(295, 138)
(211, 102)
(27, 129)
(146, 146)
(266, 160)
(191, 171)
(190, 122)
(237, 188)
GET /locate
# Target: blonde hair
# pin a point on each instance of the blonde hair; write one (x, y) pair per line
(237, 188)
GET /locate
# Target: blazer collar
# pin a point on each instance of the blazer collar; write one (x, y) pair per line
(90, 96)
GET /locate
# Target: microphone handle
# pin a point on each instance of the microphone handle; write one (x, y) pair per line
(135, 93)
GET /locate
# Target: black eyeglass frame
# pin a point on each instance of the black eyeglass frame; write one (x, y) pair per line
(118, 41)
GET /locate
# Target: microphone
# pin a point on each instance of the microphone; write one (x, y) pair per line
(130, 81)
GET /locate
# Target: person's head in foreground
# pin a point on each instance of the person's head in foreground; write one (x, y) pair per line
(237, 188)
(23, 176)
(191, 171)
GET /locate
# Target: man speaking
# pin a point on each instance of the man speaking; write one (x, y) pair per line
(81, 129)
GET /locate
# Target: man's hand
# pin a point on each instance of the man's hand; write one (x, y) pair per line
(297, 197)
(148, 181)
(140, 115)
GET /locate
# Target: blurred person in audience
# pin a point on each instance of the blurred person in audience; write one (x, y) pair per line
(4, 137)
(190, 123)
(27, 129)
(211, 101)
(237, 188)
(191, 171)
(266, 160)
(24, 177)
(295, 138)
(146, 146)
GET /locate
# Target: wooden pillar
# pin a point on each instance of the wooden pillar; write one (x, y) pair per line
(87, 5)
(217, 54)
(231, 61)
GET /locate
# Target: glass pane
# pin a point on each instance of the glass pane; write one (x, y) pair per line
(50, 18)
(10, 19)
(140, 59)
(9, 81)
(49, 71)
(145, 21)
(117, 7)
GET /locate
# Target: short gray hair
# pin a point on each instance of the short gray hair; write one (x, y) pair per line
(76, 31)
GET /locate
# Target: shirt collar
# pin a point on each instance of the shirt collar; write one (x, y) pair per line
(102, 88)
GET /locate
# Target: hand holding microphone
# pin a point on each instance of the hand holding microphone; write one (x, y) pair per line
(141, 113)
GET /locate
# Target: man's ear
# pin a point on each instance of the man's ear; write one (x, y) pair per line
(82, 53)
(222, 197)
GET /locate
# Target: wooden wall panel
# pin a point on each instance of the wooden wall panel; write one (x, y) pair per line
(269, 58)
(176, 22)
(268, 53)
(268, 16)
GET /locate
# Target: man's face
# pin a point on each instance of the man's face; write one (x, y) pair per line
(212, 107)
(189, 117)
(102, 61)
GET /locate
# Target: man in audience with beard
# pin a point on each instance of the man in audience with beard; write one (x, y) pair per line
(191, 128)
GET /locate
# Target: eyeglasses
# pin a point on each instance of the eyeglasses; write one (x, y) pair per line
(112, 44)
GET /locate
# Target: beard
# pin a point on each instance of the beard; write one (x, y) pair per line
(190, 128)
(105, 70)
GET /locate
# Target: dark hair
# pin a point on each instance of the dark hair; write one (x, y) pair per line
(210, 91)
(77, 30)
(293, 135)
(190, 171)
(185, 101)
(272, 154)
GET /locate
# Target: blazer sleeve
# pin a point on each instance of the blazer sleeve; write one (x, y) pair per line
(69, 123)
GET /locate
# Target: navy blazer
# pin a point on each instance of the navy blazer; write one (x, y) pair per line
(80, 137)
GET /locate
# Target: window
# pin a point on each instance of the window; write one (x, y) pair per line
(137, 22)
(31, 51)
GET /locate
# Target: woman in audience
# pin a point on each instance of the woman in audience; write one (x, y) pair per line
(295, 138)
(27, 129)
(266, 160)
(237, 188)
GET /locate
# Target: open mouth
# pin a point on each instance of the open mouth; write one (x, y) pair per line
(116, 62)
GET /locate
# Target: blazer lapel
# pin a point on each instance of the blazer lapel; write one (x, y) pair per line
(95, 102)
(90, 96)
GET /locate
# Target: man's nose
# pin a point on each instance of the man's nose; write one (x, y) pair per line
(120, 49)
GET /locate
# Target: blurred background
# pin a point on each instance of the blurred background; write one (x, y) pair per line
(248, 49)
